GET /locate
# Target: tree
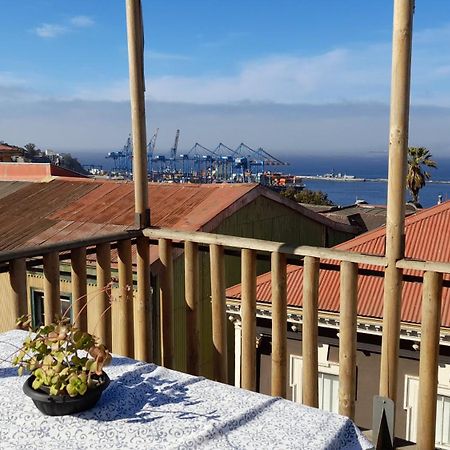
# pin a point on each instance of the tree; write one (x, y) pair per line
(419, 158)
(308, 196)
(31, 150)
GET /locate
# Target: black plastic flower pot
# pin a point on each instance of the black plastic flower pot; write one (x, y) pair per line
(62, 405)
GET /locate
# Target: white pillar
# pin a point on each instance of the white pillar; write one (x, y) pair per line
(237, 352)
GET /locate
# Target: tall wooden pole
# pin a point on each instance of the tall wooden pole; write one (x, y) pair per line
(395, 221)
(137, 97)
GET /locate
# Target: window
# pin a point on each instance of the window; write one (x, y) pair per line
(37, 307)
(328, 383)
(442, 412)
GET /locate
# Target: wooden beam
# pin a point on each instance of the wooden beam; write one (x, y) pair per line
(395, 220)
(263, 246)
(310, 331)
(192, 300)
(18, 281)
(219, 318)
(79, 287)
(429, 359)
(52, 297)
(279, 325)
(122, 306)
(347, 339)
(142, 303)
(135, 35)
(248, 314)
(166, 303)
(99, 306)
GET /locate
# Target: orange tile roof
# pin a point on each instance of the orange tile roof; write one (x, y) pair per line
(427, 238)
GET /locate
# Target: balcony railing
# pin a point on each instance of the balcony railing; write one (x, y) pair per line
(131, 311)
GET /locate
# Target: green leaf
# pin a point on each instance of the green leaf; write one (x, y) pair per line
(37, 383)
(71, 390)
(82, 388)
(20, 371)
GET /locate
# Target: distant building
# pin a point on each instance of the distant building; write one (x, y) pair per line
(361, 214)
(10, 153)
(28, 171)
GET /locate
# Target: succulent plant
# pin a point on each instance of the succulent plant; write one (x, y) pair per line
(62, 358)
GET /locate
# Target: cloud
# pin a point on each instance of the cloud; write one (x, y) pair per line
(82, 21)
(283, 130)
(49, 30)
(53, 30)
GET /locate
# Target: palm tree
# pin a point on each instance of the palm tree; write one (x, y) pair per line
(418, 159)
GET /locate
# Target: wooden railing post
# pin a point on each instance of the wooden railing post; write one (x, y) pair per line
(429, 358)
(395, 220)
(310, 331)
(52, 297)
(192, 298)
(79, 287)
(166, 303)
(18, 281)
(99, 306)
(279, 325)
(347, 339)
(248, 314)
(122, 307)
(142, 302)
(219, 322)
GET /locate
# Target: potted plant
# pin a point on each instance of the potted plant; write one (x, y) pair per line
(66, 366)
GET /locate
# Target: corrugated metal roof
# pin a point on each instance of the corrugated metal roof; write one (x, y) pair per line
(427, 238)
(65, 208)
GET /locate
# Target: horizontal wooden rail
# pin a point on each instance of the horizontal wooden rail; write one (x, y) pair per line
(264, 246)
(425, 266)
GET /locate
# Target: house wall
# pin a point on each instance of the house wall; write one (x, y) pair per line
(368, 370)
(261, 219)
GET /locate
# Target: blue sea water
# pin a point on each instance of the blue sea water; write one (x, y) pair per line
(346, 192)
(340, 192)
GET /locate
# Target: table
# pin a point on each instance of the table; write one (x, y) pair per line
(150, 407)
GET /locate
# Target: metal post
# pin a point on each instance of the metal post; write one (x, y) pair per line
(137, 96)
(395, 221)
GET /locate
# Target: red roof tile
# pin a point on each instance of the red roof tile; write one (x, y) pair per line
(427, 238)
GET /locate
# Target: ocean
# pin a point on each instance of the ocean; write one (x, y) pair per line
(340, 192)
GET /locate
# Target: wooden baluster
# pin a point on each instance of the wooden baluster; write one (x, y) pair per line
(248, 314)
(279, 324)
(99, 306)
(219, 318)
(347, 338)
(79, 287)
(122, 307)
(429, 358)
(52, 297)
(142, 302)
(166, 303)
(18, 281)
(310, 331)
(192, 299)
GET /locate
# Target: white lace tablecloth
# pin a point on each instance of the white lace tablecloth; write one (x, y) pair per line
(149, 407)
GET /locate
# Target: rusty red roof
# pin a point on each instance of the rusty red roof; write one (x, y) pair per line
(70, 208)
(427, 238)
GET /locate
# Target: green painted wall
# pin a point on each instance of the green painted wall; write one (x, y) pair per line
(261, 219)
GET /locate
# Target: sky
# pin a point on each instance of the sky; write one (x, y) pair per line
(296, 77)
